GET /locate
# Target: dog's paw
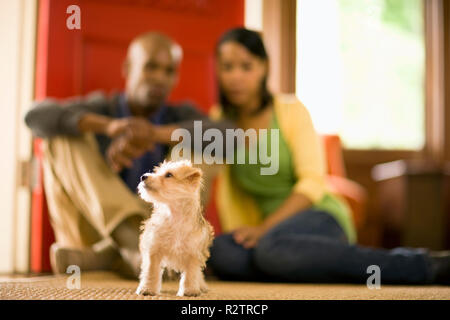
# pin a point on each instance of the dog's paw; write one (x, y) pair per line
(189, 293)
(146, 291)
(204, 288)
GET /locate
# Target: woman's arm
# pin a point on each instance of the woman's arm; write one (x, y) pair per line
(293, 204)
(249, 236)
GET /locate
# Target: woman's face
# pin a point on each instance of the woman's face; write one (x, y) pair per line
(240, 74)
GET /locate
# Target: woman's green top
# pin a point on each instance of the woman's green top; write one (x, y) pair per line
(269, 191)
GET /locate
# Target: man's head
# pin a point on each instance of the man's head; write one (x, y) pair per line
(151, 70)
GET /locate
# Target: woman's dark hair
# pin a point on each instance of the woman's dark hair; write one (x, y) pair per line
(252, 41)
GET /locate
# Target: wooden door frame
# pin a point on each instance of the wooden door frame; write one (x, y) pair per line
(279, 33)
(17, 78)
(435, 81)
(446, 70)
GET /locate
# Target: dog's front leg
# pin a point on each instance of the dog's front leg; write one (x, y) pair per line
(190, 281)
(203, 285)
(151, 274)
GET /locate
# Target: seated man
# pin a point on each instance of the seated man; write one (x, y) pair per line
(95, 150)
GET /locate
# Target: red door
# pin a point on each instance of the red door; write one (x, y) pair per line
(75, 62)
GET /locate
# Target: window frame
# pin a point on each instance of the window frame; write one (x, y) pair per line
(279, 25)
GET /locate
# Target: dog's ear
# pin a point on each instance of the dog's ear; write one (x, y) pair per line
(193, 175)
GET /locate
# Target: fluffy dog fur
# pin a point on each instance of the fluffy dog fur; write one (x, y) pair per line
(176, 236)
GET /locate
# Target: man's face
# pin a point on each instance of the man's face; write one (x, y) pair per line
(152, 72)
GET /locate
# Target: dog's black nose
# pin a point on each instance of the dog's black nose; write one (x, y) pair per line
(143, 177)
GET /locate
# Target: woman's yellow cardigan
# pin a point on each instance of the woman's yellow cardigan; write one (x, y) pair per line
(236, 208)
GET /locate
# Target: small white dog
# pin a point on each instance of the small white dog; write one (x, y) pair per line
(176, 236)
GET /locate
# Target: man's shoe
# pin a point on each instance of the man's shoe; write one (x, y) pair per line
(103, 257)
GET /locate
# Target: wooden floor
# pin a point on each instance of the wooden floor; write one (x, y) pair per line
(108, 286)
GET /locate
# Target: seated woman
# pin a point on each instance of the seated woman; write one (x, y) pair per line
(288, 226)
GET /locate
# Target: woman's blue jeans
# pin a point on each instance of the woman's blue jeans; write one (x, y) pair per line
(311, 247)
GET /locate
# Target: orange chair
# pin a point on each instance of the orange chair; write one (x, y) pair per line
(351, 191)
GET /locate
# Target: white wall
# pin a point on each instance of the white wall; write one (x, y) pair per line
(254, 14)
(17, 47)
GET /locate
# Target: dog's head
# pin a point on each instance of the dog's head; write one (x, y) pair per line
(171, 181)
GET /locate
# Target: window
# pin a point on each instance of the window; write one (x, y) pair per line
(361, 70)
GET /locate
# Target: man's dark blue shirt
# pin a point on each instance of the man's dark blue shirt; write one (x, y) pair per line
(146, 162)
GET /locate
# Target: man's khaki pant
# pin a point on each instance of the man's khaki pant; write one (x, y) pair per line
(86, 199)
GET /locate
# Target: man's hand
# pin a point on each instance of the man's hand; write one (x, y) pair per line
(139, 130)
(116, 127)
(248, 237)
(122, 151)
(132, 137)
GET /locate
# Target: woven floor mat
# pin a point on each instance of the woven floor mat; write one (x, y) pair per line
(109, 286)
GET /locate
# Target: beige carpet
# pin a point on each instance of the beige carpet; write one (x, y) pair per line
(108, 286)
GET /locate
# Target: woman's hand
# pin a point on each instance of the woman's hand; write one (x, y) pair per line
(248, 237)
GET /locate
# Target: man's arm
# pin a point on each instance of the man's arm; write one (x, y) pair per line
(141, 135)
(97, 123)
(184, 117)
(49, 118)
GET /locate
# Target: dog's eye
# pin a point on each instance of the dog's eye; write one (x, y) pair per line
(168, 175)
